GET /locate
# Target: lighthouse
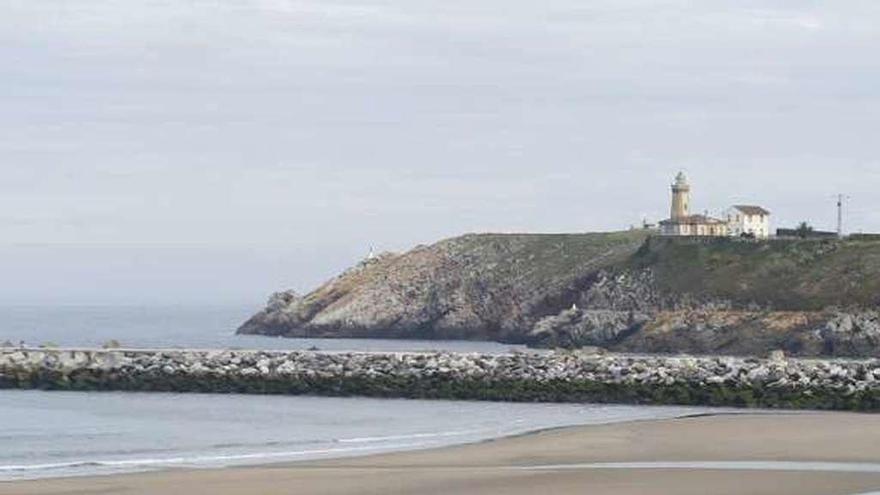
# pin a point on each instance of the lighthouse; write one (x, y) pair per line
(681, 198)
(681, 222)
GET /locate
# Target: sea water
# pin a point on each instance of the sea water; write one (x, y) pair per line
(183, 327)
(52, 434)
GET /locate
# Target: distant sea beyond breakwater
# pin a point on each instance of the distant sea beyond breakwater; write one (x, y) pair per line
(525, 377)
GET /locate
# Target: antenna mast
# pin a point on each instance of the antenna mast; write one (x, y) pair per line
(840, 216)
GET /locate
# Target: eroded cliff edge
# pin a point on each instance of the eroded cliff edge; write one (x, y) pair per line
(622, 291)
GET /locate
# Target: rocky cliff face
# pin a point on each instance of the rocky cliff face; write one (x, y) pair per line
(472, 287)
(622, 291)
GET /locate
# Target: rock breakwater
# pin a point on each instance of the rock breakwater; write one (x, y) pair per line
(549, 377)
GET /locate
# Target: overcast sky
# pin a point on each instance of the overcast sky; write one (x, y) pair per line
(196, 151)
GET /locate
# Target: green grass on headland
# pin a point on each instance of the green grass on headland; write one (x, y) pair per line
(780, 274)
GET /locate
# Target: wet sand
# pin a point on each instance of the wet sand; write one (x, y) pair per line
(799, 454)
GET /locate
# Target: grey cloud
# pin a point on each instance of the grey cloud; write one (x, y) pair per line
(315, 129)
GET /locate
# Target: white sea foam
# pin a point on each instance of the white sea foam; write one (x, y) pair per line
(87, 467)
(414, 436)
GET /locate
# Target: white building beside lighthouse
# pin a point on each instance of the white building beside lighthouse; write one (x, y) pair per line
(681, 222)
(750, 221)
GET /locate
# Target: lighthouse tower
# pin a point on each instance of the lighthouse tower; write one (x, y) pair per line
(681, 198)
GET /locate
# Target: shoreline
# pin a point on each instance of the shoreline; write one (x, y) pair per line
(347, 447)
(801, 453)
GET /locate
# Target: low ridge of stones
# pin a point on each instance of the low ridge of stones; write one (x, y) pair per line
(777, 382)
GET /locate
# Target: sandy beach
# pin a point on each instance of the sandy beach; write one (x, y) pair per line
(803, 454)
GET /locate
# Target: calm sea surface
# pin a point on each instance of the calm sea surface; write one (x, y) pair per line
(50, 434)
(180, 327)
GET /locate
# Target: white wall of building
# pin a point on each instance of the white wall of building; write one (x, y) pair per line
(715, 229)
(740, 223)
